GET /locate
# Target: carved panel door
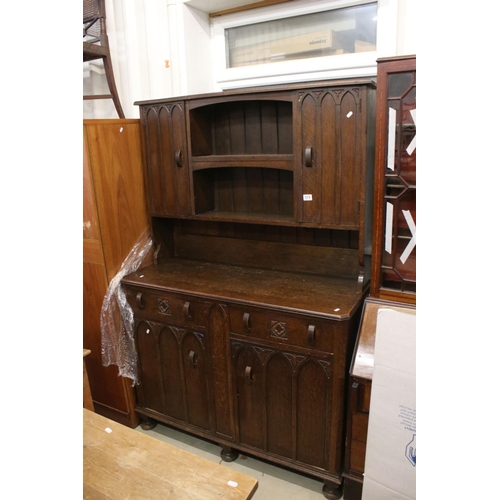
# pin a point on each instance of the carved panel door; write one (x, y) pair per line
(282, 401)
(332, 156)
(168, 179)
(173, 373)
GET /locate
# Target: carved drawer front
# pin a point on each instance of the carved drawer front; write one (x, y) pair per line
(287, 329)
(165, 306)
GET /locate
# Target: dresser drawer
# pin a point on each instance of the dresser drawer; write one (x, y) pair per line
(166, 306)
(287, 329)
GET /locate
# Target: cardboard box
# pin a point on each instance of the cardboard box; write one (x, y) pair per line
(284, 47)
(361, 46)
(391, 458)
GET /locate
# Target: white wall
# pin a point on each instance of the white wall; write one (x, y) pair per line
(161, 48)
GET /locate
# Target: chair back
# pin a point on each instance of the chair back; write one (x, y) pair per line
(94, 16)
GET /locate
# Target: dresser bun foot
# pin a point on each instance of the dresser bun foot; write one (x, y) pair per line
(228, 454)
(148, 423)
(332, 491)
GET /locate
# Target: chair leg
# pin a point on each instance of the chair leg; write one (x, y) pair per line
(108, 69)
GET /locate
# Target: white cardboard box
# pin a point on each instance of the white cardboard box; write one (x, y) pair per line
(390, 462)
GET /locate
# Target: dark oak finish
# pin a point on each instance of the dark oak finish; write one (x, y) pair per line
(246, 323)
(255, 153)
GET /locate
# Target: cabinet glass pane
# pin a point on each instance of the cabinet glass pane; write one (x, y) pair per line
(334, 32)
(399, 255)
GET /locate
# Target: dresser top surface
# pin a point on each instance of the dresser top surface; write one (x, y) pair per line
(364, 354)
(329, 297)
(256, 90)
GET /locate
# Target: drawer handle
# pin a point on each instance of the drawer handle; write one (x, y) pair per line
(139, 301)
(308, 155)
(357, 397)
(311, 334)
(248, 375)
(192, 358)
(246, 321)
(178, 157)
(187, 310)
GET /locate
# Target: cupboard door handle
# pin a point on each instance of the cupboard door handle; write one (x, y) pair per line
(192, 358)
(187, 310)
(311, 334)
(178, 157)
(308, 156)
(139, 301)
(248, 375)
(246, 321)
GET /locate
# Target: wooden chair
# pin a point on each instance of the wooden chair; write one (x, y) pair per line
(96, 46)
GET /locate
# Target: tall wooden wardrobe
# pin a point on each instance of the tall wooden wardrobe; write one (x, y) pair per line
(114, 217)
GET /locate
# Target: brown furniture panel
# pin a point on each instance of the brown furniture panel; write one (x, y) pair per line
(115, 157)
(162, 306)
(359, 392)
(282, 328)
(87, 395)
(166, 159)
(333, 161)
(115, 215)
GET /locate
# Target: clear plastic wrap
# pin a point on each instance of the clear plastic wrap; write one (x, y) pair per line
(117, 317)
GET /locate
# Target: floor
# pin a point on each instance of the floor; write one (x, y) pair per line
(275, 483)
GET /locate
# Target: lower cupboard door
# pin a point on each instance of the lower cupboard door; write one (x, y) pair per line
(249, 394)
(194, 359)
(284, 402)
(172, 380)
(313, 388)
(279, 405)
(149, 389)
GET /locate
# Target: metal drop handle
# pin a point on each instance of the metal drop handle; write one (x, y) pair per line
(178, 157)
(308, 153)
(248, 375)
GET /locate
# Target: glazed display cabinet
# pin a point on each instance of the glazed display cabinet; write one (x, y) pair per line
(395, 214)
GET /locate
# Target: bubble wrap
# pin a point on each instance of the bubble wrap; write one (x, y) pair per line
(117, 317)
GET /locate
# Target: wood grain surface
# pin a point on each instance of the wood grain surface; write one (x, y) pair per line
(120, 463)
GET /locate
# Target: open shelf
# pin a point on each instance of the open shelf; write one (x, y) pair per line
(250, 128)
(282, 162)
(247, 217)
(244, 193)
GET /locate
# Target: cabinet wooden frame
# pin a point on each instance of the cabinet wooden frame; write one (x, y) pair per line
(246, 322)
(404, 66)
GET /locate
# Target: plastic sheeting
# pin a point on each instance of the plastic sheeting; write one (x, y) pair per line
(117, 317)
